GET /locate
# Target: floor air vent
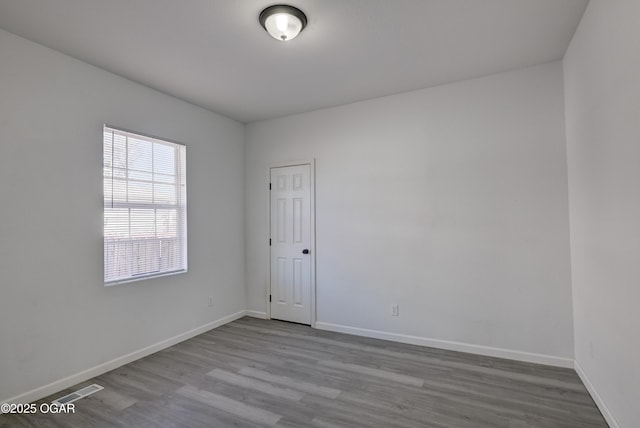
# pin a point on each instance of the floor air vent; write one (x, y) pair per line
(81, 393)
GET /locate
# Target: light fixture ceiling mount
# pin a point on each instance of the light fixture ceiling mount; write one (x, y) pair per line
(283, 22)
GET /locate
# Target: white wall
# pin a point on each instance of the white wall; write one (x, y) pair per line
(56, 317)
(449, 201)
(602, 89)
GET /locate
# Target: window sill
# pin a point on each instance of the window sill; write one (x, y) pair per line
(143, 277)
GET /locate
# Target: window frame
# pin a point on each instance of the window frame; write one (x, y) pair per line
(180, 206)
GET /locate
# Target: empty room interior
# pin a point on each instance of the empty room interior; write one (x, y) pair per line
(320, 213)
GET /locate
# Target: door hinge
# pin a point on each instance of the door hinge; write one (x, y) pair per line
(269, 186)
(269, 297)
(269, 241)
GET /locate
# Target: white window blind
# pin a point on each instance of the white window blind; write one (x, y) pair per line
(145, 207)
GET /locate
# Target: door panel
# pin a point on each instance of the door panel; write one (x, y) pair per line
(290, 235)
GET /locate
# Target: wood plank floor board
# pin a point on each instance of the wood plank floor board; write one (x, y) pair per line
(114, 400)
(364, 370)
(256, 385)
(235, 407)
(258, 373)
(331, 376)
(278, 347)
(291, 410)
(504, 368)
(291, 383)
(377, 413)
(437, 412)
(310, 372)
(212, 359)
(181, 412)
(481, 393)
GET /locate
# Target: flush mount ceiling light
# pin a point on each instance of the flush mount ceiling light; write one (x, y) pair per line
(283, 22)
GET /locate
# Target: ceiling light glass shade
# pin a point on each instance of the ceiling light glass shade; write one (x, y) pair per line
(283, 22)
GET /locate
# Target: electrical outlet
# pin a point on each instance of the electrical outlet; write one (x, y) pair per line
(210, 302)
(395, 310)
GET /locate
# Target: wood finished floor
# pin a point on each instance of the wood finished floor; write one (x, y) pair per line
(255, 373)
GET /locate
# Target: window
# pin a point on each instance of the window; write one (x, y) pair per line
(145, 207)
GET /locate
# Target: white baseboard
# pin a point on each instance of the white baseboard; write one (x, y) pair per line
(257, 314)
(608, 416)
(489, 351)
(59, 385)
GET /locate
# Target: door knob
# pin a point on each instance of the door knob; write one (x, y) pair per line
(305, 251)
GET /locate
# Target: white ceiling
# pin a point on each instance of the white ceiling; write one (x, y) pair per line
(214, 53)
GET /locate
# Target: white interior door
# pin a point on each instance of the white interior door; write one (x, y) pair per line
(291, 243)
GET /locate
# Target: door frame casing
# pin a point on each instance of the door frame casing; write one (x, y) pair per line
(312, 245)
